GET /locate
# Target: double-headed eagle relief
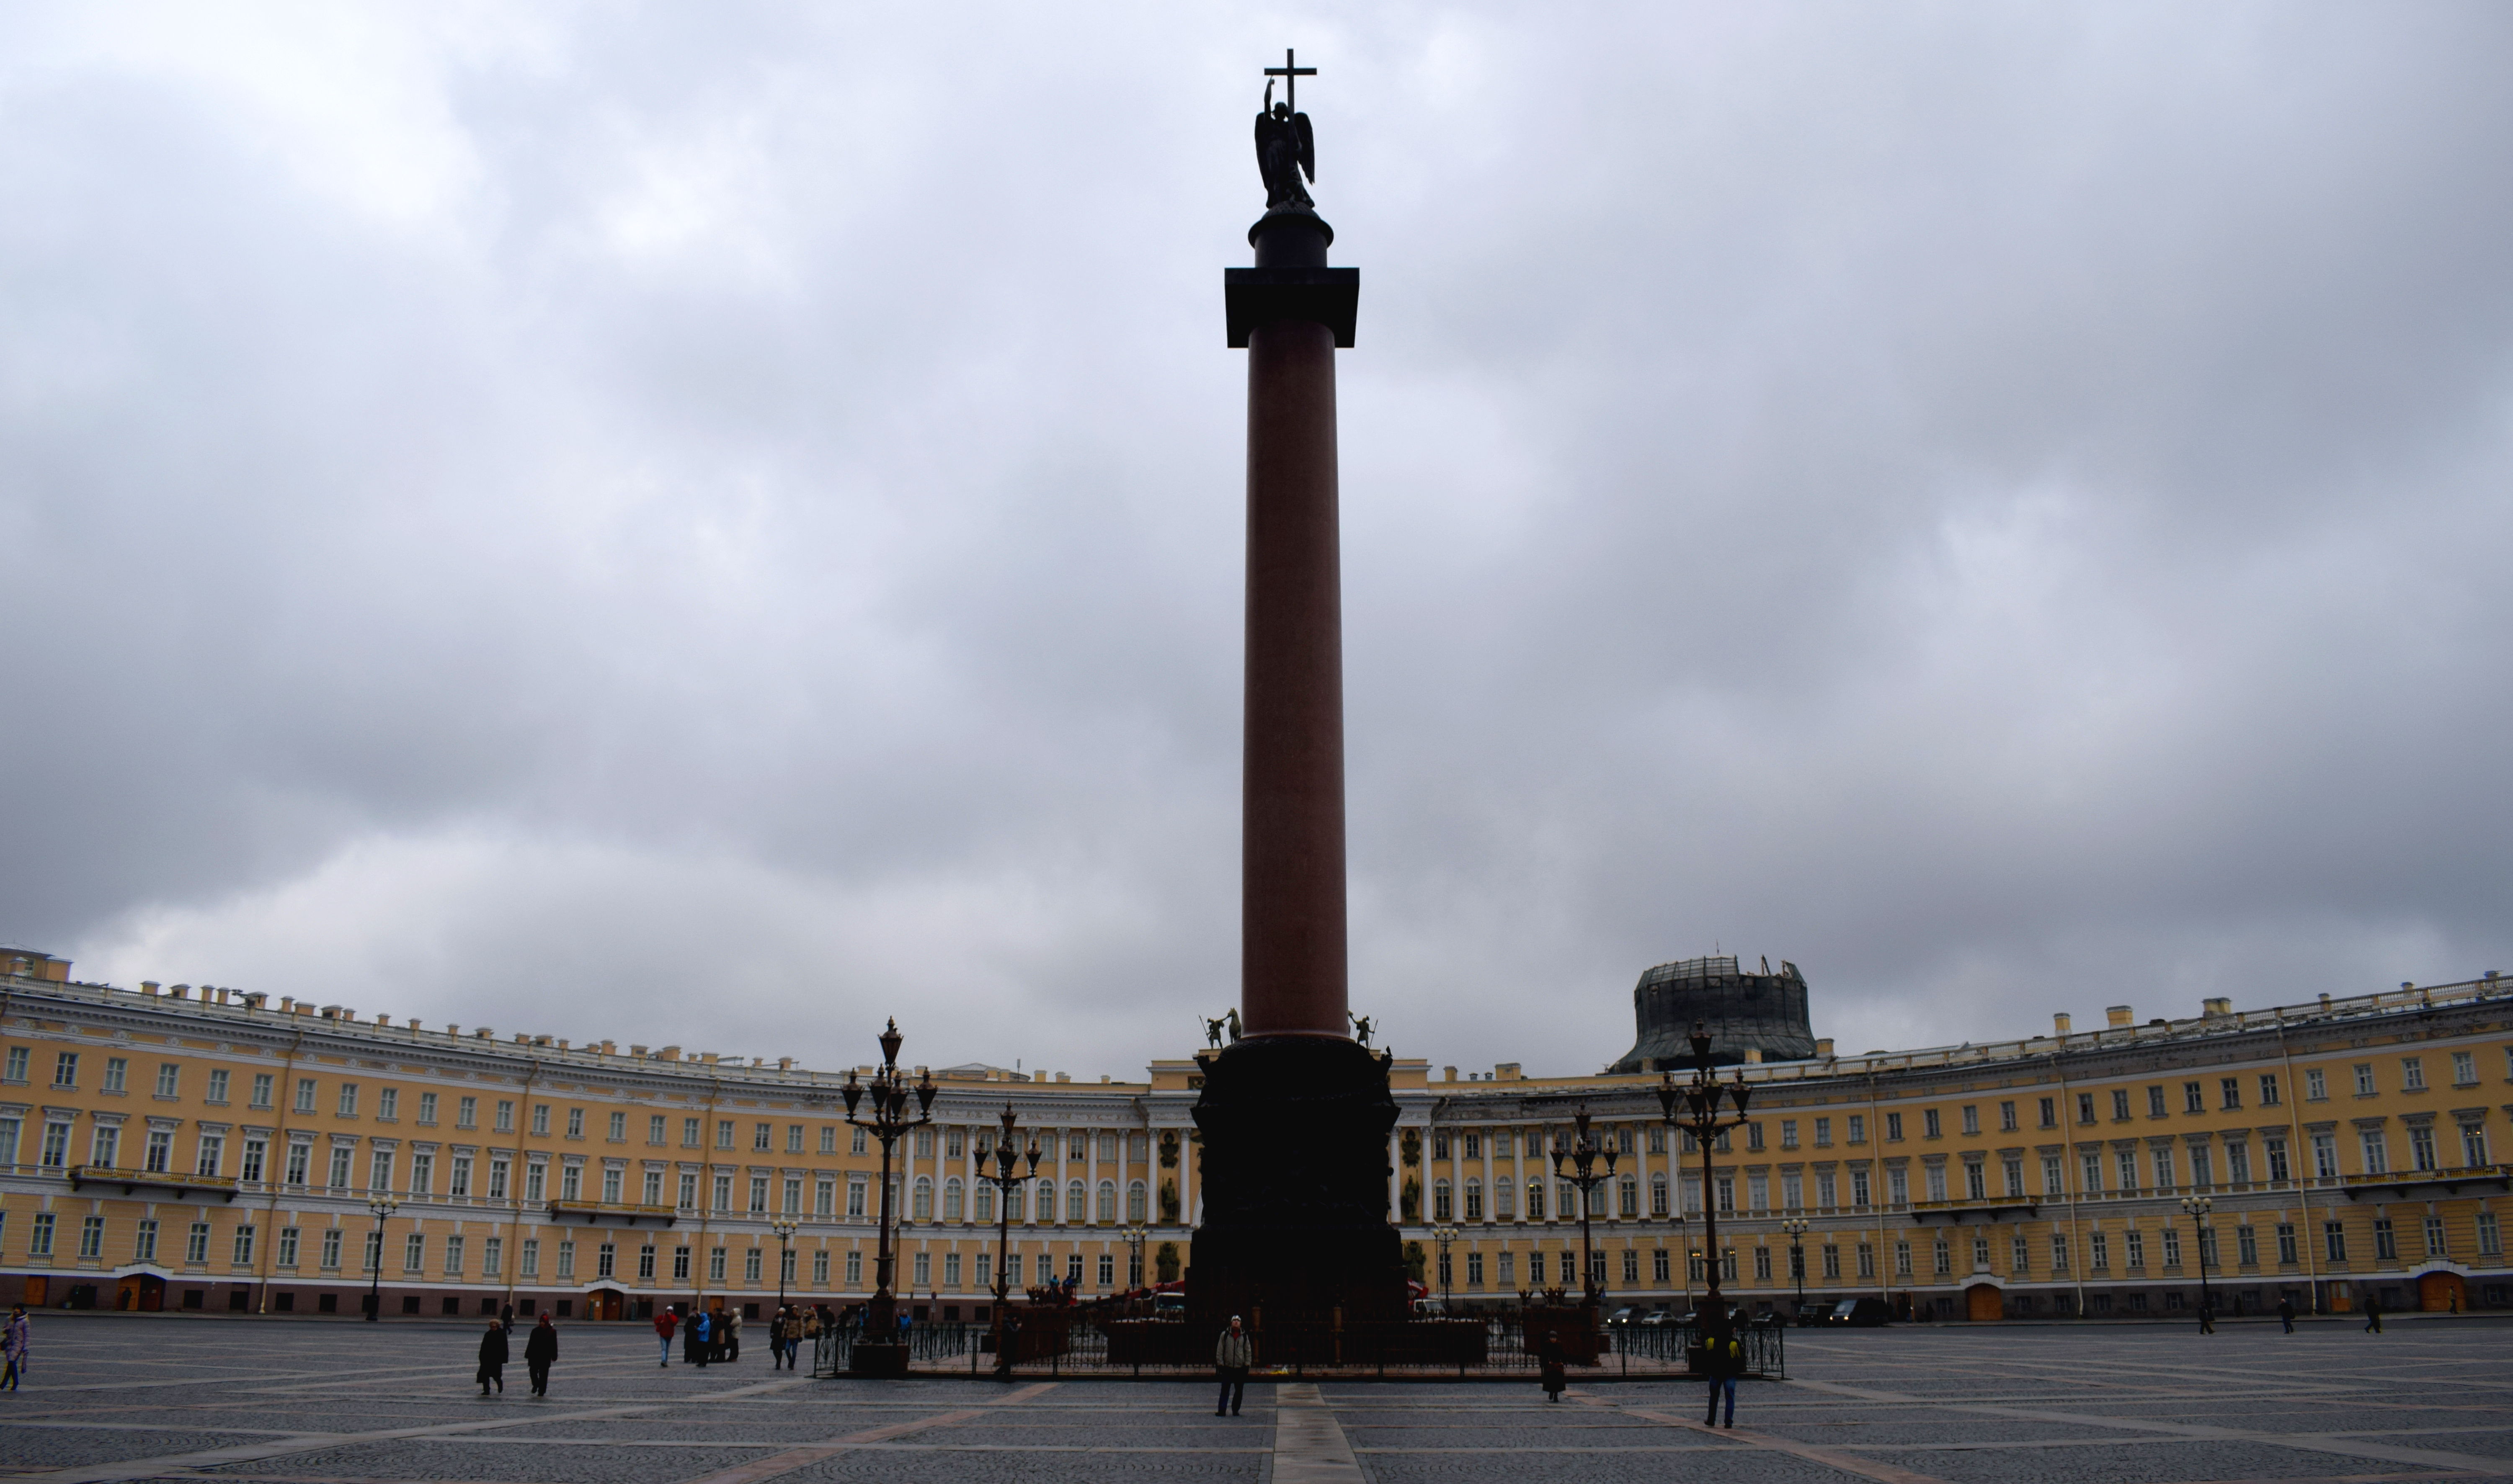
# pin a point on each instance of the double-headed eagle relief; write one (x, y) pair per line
(1286, 149)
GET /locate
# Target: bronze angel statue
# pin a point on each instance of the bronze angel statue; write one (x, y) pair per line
(1286, 150)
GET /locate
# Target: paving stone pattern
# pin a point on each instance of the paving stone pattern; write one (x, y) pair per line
(117, 1398)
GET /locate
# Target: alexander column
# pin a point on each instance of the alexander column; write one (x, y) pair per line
(1295, 1115)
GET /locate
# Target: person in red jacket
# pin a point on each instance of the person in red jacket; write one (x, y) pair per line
(664, 1323)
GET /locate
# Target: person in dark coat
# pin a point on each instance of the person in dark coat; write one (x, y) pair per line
(493, 1359)
(2207, 1318)
(1724, 1360)
(2372, 1315)
(506, 1318)
(1549, 1368)
(539, 1353)
(2286, 1314)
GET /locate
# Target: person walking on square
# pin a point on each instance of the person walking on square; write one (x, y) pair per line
(2372, 1315)
(493, 1359)
(506, 1318)
(664, 1323)
(1725, 1359)
(540, 1351)
(13, 1340)
(1232, 1354)
(732, 1332)
(1550, 1369)
(2207, 1318)
(2286, 1314)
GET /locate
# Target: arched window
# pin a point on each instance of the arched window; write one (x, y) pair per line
(1474, 1200)
(1657, 1195)
(924, 1208)
(1107, 1202)
(1627, 1197)
(1077, 1202)
(1014, 1203)
(951, 1202)
(1536, 1200)
(1137, 1202)
(1443, 1207)
(985, 1203)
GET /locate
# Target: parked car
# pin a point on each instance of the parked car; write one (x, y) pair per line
(1864, 1313)
(1623, 1316)
(1655, 1318)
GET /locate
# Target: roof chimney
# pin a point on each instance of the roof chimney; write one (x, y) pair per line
(1754, 1055)
(2059, 1024)
(147, 986)
(2216, 1008)
(1824, 1047)
(2119, 1016)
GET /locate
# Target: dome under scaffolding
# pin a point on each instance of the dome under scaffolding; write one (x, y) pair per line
(1762, 1012)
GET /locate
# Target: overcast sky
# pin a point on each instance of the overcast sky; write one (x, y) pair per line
(716, 523)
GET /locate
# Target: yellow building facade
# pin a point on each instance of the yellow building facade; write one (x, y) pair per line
(200, 1149)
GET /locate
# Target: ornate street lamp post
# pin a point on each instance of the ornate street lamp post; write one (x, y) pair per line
(1005, 1180)
(383, 1207)
(1694, 1106)
(2199, 1206)
(784, 1227)
(1796, 1227)
(889, 1120)
(1134, 1232)
(1443, 1234)
(1580, 1153)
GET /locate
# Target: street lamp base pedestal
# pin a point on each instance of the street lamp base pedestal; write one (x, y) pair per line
(885, 1359)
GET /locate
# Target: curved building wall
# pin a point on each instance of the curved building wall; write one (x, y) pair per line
(1764, 1012)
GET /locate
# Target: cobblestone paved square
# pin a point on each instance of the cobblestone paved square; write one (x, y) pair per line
(124, 1399)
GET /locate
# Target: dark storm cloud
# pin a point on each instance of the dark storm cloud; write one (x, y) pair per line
(717, 526)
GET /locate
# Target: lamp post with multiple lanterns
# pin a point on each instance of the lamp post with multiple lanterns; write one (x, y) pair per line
(1006, 1179)
(880, 1351)
(2199, 1206)
(1694, 1106)
(1445, 1235)
(1574, 1160)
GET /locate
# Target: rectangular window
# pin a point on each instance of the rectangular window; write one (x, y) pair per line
(17, 1065)
(2155, 1102)
(92, 1236)
(2133, 1242)
(331, 1258)
(428, 1107)
(619, 1129)
(724, 1133)
(689, 1133)
(680, 1265)
(349, 1104)
(2193, 1099)
(65, 1070)
(2275, 1150)
(565, 1259)
(422, 1174)
(2085, 1108)
(1892, 1128)
(606, 1259)
(2387, 1240)
(2238, 1163)
(2059, 1254)
(2127, 1161)
(820, 1269)
(2120, 1104)
(2490, 1238)
(2473, 1144)
(576, 1123)
(610, 1179)
(169, 1078)
(2285, 1244)
(2376, 1150)
(2465, 1068)
(1788, 1133)
(505, 1120)
(39, 1242)
(218, 1086)
(856, 1141)
(466, 1113)
(2421, 1147)
(2172, 1247)
(655, 1129)
(2268, 1089)
(1857, 1129)
(288, 1236)
(854, 1268)
(117, 1074)
(2247, 1245)
(2333, 1238)
(2230, 1091)
(1902, 1260)
(262, 1085)
(2436, 1244)
(1971, 1117)
(2316, 1085)
(196, 1244)
(541, 1118)
(414, 1252)
(2364, 1078)
(457, 1180)
(387, 1102)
